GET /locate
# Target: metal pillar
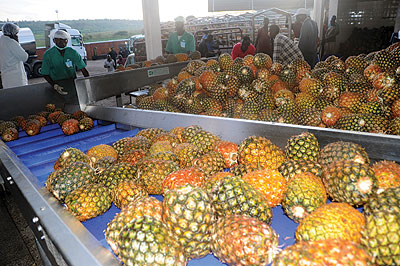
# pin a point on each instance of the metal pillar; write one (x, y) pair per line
(152, 28)
(397, 23)
(318, 14)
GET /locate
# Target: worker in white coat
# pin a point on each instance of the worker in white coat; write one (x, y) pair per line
(12, 58)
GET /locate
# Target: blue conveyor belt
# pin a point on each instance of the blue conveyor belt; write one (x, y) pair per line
(39, 153)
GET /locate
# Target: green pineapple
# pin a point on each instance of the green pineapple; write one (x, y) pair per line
(88, 201)
(303, 147)
(189, 215)
(290, 168)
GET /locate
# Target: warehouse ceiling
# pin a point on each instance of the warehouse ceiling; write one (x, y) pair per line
(239, 5)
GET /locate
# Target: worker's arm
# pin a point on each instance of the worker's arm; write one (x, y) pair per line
(85, 72)
(257, 38)
(19, 52)
(235, 51)
(49, 80)
(191, 45)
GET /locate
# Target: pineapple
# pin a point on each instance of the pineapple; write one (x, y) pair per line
(349, 181)
(323, 252)
(305, 193)
(78, 115)
(260, 152)
(164, 155)
(310, 117)
(70, 126)
(189, 132)
(117, 173)
(137, 142)
(387, 173)
(32, 127)
(229, 151)
(88, 201)
(241, 240)
(341, 150)
(381, 237)
(210, 163)
(336, 80)
(387, 200)
(147, 241)
(146, 206)
(192, 175)
(332, 221)
(62, 182)
(395, 126)
(63, 117)
(270, 183)
(262, 60)
(376, 123)
(126, 192)
(132, 157)
(85, 124)
(311, 86)
(353, 122)
(9, 134)
(71, 155)
(245, 74)
(242, 169)
(103, 163)
(290, 168)
(152, 172)
(149, 133)
(208, 79)
(384, 60)
(119, 145)
(232, 195)
(330, 115)
(99, 151)
(204, 141)
(303, 147)
(186, 153)
(351, 100)
(189, 215)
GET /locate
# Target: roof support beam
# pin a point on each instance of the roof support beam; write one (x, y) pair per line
(152, 28)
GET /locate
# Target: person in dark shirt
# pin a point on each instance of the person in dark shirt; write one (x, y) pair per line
(263, 40)
(243, 48)
(308, 41)
(113, 55)
(207, 46)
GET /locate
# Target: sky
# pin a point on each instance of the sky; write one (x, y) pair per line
(16, 10)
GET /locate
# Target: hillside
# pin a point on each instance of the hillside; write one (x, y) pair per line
(92, 30)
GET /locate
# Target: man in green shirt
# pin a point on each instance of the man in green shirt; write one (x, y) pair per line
(180, 41)
(59, 67)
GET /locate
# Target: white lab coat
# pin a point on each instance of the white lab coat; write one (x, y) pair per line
(12, 58)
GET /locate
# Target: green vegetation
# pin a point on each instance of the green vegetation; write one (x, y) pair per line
(92, 29)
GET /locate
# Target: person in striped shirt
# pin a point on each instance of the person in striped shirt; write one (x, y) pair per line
(285, 50)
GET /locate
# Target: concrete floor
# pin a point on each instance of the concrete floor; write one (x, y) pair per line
(17, 242)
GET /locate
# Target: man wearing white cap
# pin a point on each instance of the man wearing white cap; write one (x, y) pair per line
(308, 36)
(59, 66)
(180, 41)
(12, 58)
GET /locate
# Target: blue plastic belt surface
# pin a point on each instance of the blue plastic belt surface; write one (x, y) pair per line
(39, 153)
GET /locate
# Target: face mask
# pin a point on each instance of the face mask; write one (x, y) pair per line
(59, 48)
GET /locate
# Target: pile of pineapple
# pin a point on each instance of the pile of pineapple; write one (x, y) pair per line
(69, 123)
(361, 93)
(207, 209)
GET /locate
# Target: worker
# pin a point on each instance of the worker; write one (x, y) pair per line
(330, 36)
(285, 50)
(59, 67)
(180, 41)
(113, 55)
(12, 58)
(308, 42)
(109, 63)
(296, 27)
(243, 48)
(263, 40)
(207, 46)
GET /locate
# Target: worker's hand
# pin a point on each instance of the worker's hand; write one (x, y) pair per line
(60, 89)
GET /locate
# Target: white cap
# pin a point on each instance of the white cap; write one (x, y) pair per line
(180, 19)
(10, 29)
(61, 34)
(302, 11)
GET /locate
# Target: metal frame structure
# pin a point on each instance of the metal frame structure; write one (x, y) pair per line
(58, 231)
